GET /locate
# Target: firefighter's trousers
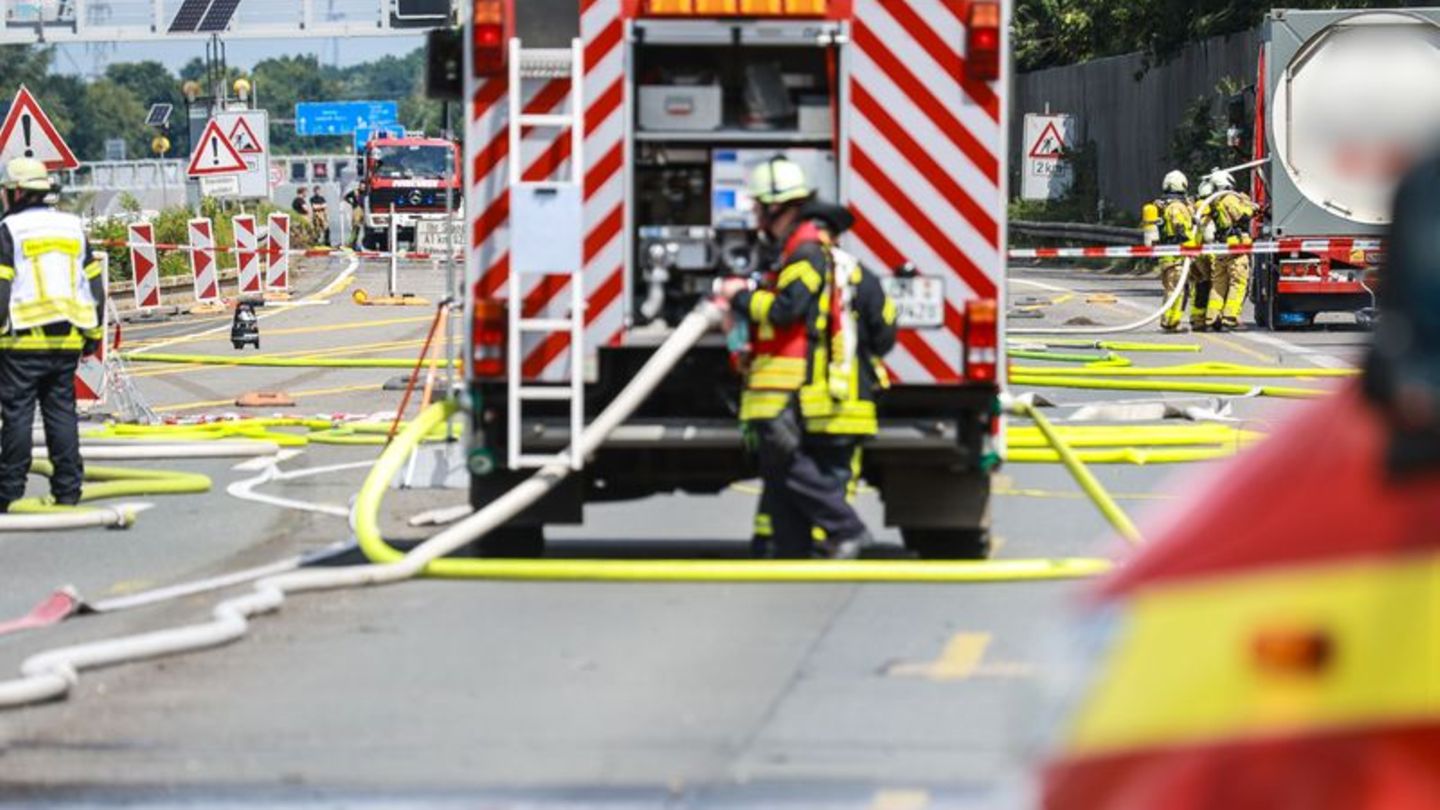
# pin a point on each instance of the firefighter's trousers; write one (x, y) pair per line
(1230, 281)
(805, 489)
(49, 379)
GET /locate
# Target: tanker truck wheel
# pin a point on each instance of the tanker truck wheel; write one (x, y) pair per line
(948, 544)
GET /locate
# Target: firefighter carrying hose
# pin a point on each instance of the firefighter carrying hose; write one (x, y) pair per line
(51, 300)
(1170, 220)
(819, 329)
(1230, 211)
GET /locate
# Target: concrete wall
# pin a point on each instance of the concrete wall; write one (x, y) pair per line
(1129, 119)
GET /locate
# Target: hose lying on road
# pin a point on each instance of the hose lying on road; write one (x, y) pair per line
(1109, 330)
(1214, 369)
(1111, 360)
(101, 483)
(1082, 475)
(51, 674)
(1139, 456)
(1017, 437)
(1106, 345)
(1220, 389)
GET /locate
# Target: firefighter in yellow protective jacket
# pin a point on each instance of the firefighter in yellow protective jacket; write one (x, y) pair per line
(818, 330)
(51, 300)
(1230, 211)
(1170, 220)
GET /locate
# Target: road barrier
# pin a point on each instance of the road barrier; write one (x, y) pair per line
(277, 254)
(247, 255)
(202, 261)
(144, 265)
(1331, 246)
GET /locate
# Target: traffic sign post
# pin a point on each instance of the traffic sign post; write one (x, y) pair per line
(28, 132)
(1048, 174)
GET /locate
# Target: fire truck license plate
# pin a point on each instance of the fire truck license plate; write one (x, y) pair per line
(919, 301)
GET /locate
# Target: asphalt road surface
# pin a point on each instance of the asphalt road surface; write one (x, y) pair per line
(442, 693)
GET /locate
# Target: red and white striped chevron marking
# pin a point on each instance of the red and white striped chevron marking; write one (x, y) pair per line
(202, 260)
(277, 253)
(1330, 246)
(919, 131)
(90, 376)
(144, 266)
(247, 255)
(546, 154)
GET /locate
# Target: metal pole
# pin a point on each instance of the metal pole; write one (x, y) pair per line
(452, 277)
(394, 254)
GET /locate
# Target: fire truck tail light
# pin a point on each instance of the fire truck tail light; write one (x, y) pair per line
(982, 41)
(487, 44)
(489, 334)
(982, 345)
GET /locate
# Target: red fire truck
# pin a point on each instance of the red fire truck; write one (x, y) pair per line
(605, 193)
(409, 177)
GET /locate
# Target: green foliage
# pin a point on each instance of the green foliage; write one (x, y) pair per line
(1198, 144)
(1050, 33)
(1082, 203)
(128, 203)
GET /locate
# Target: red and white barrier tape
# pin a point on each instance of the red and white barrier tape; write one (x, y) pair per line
(1139, 251)
(306, 252)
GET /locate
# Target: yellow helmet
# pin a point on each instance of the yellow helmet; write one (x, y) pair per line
(778, 180)
(27, 173)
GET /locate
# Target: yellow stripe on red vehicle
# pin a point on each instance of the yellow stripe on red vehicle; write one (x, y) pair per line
(1307, 649)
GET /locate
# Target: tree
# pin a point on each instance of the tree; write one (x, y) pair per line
(109, 111)
(282, 82)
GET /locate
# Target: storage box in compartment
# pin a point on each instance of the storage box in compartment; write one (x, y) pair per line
(688, 108)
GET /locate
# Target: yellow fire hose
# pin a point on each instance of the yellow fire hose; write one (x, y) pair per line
(1139, 456)
(1222, 389)
(1189, 370)
(1018, 436)
(1109, 345)
(1082, 475)
(102, 483)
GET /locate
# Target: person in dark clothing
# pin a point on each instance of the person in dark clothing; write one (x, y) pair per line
(52, 299)
(301, 203)
(320, 217)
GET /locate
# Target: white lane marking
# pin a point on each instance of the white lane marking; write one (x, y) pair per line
(245, 490)
(1314, 357)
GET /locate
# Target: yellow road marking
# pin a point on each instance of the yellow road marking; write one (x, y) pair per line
(128, 586)
(1047, 493)
(900, 800)
(962, 658)
(318, 392)
(1238, 347)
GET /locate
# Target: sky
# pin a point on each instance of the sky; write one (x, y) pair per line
(241, 53)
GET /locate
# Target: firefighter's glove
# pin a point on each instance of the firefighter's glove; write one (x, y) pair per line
(90, 347)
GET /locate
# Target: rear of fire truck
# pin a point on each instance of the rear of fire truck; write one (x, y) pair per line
(588, 244)
(1346, 102)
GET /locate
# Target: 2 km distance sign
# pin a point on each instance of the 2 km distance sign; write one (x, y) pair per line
(249, 132)
(1048, 174)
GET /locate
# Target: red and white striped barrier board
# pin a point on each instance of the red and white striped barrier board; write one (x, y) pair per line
(277, 253)
(247, 255)
(1331, 246)
(144, 266)
(202, 260)
(90, 376)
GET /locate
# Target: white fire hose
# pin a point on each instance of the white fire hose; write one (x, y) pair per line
(49, 675)
(1113, 330)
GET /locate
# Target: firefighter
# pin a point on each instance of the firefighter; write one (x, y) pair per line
(320, 217)
(51, 299)
(819, 329)
(1170, 220)
(1202, 316)
(355, 202)
(1232, 212)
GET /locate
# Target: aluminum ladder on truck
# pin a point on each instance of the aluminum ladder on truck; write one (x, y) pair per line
(546, 234)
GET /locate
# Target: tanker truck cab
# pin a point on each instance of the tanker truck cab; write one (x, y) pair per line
(1346, 101)
(409, 178)
(594, 228)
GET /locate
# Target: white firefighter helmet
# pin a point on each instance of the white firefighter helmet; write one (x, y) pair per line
(1223, 180)
(1206, 188)
(28, 174)
(1176, 182)
(778, 180)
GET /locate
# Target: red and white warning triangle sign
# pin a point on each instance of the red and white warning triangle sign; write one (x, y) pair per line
(1050, 145)
(27, 132)
(244, 139)
(215, 154)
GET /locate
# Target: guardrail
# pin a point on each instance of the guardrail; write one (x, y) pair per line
(1081, 232)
